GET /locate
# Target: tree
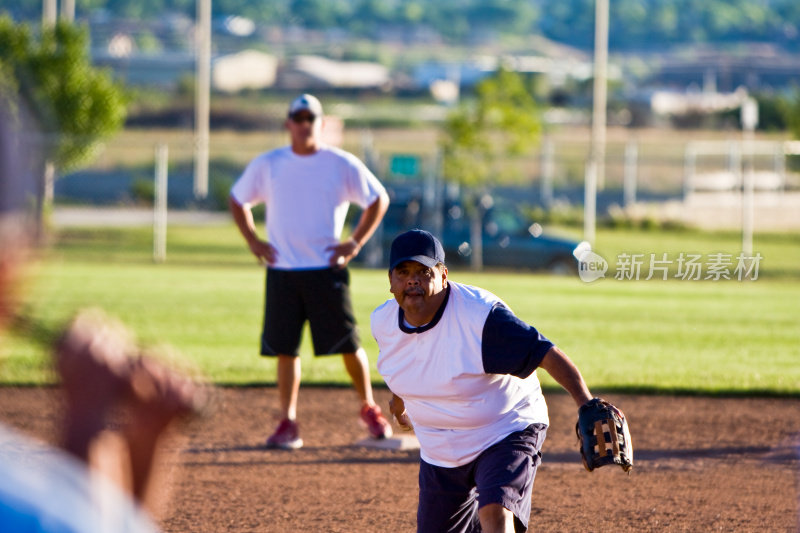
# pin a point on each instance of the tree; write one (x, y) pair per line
(793, 114)
(317, 14)
(76, 105)
(481, 138)
(793, 121)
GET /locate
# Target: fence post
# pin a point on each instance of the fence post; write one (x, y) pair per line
(780, 165)
(160, 205)
(689, 164)
(590, 201)
(749, 114)
(629, 179)
(735, 162)
(548, 169)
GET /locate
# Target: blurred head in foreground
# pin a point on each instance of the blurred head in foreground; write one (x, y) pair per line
(92, 349)
(18, 157)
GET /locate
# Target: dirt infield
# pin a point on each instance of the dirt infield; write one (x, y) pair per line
(702, 464)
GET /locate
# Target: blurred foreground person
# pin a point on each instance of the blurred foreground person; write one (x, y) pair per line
(99, 480)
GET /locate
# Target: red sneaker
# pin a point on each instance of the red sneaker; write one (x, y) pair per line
(378, 426)
(286, 436)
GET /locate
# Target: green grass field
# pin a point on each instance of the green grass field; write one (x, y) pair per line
(714, 337)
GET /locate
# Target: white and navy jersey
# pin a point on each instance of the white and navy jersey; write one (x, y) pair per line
(467, 377)
(307, 197)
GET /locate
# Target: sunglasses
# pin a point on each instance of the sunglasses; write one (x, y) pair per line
(300, 118)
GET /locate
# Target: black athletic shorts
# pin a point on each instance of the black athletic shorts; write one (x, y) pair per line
(449, 498)
(320, 296)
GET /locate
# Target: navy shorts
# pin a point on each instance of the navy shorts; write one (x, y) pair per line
(449, 498)
(320, 296)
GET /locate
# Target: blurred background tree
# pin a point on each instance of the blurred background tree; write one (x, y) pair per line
(793, 121)
(793, 114)
(638, 24)
(76, 105)
(480, 139)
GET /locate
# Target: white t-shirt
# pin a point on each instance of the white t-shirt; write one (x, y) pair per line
(307, 198)
(467, 378)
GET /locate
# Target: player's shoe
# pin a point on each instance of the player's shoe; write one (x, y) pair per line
(378, 426)
(286, 436)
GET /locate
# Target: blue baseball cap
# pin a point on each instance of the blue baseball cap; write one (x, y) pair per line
(416, 245)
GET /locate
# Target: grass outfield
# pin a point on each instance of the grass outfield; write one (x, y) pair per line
(688, 336)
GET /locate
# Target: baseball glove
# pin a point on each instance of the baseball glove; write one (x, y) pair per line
(603, 435)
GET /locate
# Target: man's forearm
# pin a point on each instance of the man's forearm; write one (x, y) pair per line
(566, 374)
(370, 219)
(243, 218)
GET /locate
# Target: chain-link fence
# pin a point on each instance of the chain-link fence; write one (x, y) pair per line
(641, 167)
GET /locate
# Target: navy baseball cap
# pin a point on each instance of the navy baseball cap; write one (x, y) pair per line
(416, 245)
(306, 102)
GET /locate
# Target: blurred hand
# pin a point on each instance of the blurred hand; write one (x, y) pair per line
(164, 392)
(101, 368)
(92, 360)
(264, 251)
(343, 253)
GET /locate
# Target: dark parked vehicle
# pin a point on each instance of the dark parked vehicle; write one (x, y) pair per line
(510, 239)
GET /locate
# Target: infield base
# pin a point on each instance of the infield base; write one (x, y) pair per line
(401, 442)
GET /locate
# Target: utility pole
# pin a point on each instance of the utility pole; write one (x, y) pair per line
(595, 169)
(202, 97)
(49, 12)
(68, 10)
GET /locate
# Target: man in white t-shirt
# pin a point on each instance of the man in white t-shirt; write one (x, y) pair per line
(461, 368)
(307, 188)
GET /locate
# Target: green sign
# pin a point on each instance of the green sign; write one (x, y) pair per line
(404, 165)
